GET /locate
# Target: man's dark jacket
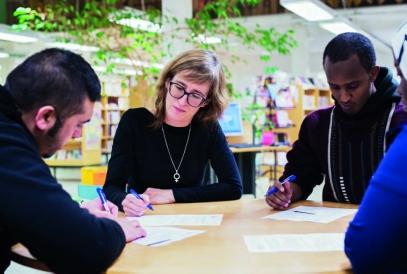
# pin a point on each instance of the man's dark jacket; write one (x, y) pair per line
(356, 144)
(37, 212)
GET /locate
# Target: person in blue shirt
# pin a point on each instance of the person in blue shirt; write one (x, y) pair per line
(376, 239)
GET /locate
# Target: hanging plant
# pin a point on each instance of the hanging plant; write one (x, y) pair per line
(106, 27)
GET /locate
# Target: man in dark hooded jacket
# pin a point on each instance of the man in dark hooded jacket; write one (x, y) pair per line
(344, 143)
(46, 101)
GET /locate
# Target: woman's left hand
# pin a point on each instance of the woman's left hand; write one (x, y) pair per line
(160, 196)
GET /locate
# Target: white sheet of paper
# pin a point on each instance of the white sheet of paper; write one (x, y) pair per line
(311, 214)
(186, 219)
(159, 236)
(317, 242)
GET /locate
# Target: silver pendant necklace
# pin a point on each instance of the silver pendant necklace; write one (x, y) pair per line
(176, 175)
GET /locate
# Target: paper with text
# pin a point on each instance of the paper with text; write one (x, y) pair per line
(159, 236)
(311, 214)
(318, 242)
(184, 219)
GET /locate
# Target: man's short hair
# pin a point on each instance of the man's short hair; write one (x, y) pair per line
(344, 45)
(54, 77)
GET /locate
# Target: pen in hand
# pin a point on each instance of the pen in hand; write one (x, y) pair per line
(103, 199)
(274, 189)
(132, 191)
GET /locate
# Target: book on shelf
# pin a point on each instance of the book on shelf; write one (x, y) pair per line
(63, 154)
(306, 82)
(282, 119)
(284, 98)
(323, 101)
(308, 101)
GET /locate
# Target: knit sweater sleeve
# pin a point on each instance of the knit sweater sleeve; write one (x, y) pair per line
(121, 159)
(302, 160)
(37, 212)
(376, 237)
(229, 186)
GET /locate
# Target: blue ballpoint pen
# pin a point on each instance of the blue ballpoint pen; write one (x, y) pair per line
(103, 199)
(273, 189)
(132, 191)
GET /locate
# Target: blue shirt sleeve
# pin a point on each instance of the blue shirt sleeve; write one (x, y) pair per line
(376, 239)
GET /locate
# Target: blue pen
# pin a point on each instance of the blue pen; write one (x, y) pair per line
(103, 199)
(273, 189)
(132, 191)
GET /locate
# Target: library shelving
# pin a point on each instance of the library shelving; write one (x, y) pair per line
(307, 99)
(118, 95)
(292, 103)
(115, 101)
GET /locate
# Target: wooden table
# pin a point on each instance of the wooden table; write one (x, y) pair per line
(221, 249)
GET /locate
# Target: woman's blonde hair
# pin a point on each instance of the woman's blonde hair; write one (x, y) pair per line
(198, 66)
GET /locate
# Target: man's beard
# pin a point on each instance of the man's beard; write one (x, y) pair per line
(51, 138)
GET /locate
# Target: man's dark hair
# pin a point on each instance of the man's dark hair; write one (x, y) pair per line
(344, 45)
(54, 77)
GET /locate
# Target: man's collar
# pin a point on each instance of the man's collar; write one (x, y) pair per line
(8, 106)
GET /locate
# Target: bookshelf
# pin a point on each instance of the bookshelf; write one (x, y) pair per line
(115, 101)
(97, 135)
(307, 99)
(293, 100)
(82, 151)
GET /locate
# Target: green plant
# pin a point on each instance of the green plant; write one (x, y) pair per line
(95, 23)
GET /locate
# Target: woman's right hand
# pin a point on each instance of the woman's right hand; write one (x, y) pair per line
(133, 206)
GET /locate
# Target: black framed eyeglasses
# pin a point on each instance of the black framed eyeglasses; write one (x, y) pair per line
(194, 99)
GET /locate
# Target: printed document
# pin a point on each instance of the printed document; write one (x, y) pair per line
(159, 236)
(185, 219)
(311, 214)
(318, 242)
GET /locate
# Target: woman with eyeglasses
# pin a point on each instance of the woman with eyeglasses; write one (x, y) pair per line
(165, 154)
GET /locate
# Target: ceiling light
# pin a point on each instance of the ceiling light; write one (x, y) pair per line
(208, 39)
(138, 63)
(4, 55)
(131, 72)
(338, 27)
(73, 47)
(17, 38)
(311, 10)
(140, 24)
(99, 68)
